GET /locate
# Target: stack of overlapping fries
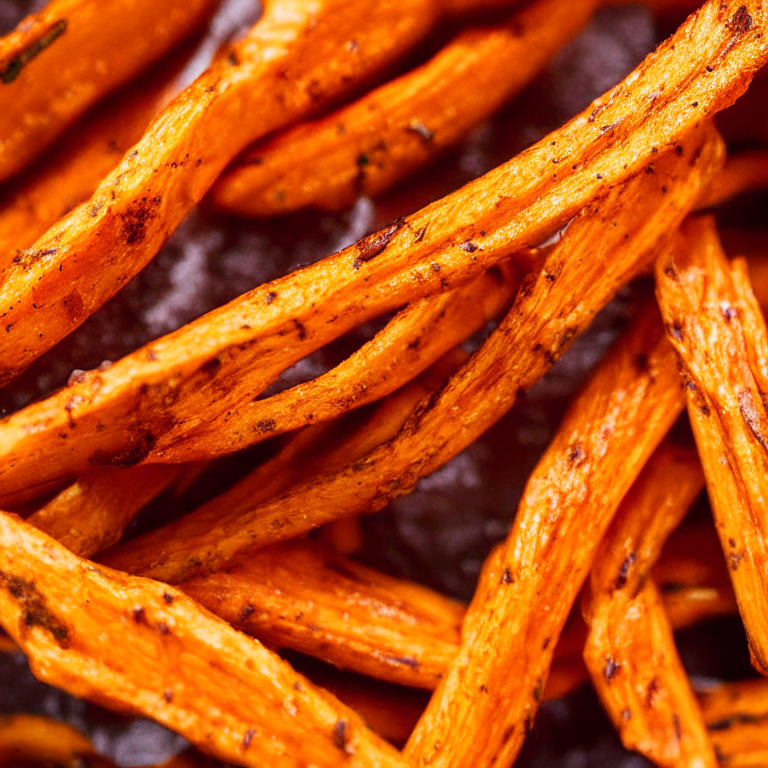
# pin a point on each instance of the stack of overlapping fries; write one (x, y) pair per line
(103, 154)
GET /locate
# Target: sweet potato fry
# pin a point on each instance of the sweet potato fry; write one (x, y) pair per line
(743, 172)
(368, 146)
(33, 740)
(715, 324)
(737, 719)
(578, 277)
(62, 60)
(486, 704)
(136, 645)
(630, 651)
(186, 380)
(81, 159)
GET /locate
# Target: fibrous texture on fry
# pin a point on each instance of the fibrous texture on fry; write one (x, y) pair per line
(72, 619)
(79, 161)
(183, 383)
(65, 58)
(630, 651)
(715, 324)
(557, 301)
(485, 705)
(297, 57)
(366, 147)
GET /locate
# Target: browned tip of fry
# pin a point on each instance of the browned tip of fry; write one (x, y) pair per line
(715, 324)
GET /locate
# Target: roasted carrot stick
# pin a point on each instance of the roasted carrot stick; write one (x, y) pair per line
(714, 322)
(299, 55)
(64, 59)
(73, 168)
(368, 146)
(134, 644)
(578, 277)
(522, 202)
(630, 651)
(486, 704)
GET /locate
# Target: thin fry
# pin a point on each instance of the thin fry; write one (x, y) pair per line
(630, 651)
(486, 704)
(368, 146)
(555, 303)
(62, 60)
(714, 322)
(179, 382)
(737, 718)
(743, 172)
(72, 619)
(80, 160)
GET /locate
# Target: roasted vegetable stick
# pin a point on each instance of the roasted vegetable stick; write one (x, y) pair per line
(743, 172)
(298, 56)
(186, 379)
(367, 147)
(133, 644)
(737, 718)
(579, 276)
(80, 160)
(62, 60)
(716, 326)
(630, 651)
(486, 704)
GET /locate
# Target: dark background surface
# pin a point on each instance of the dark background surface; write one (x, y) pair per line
(441, 533)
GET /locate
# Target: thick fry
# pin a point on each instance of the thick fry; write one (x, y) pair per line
(737, 718)
(715, 324)
(133, 644)
(367, 147)
(211, 368)
(743, 172)
(299, 55)
(82, 158)
(486, 704)
(62, 60)
(579, 276)
(630, 651)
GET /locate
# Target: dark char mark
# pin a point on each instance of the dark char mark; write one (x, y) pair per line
(34, 605)
(18, 62)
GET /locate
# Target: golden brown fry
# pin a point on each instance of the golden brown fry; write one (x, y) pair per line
(299, 55)
(556, 302)
(80, 160)
(485, 706)
(29, 740)
(133, 644)
(368, 146)
(62, 60)
(630, 651)
(715, 324)
(737, 719)
(339, 611)
(91, 514)
(214, 366)
(743, 172)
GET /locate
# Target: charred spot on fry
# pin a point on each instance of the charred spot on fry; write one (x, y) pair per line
(14, 67)
(35, 610)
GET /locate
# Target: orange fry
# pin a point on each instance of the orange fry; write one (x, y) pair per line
(486, 704)
(743, 172)
(737, 719)
(186, 379)
(133, 644)
(630, 651)
(299, 55)
(556, 302)
(367, 147)
(714, 322)
(72, 170)
(62, 60)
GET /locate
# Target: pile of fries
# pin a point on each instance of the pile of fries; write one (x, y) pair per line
(182, 622)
